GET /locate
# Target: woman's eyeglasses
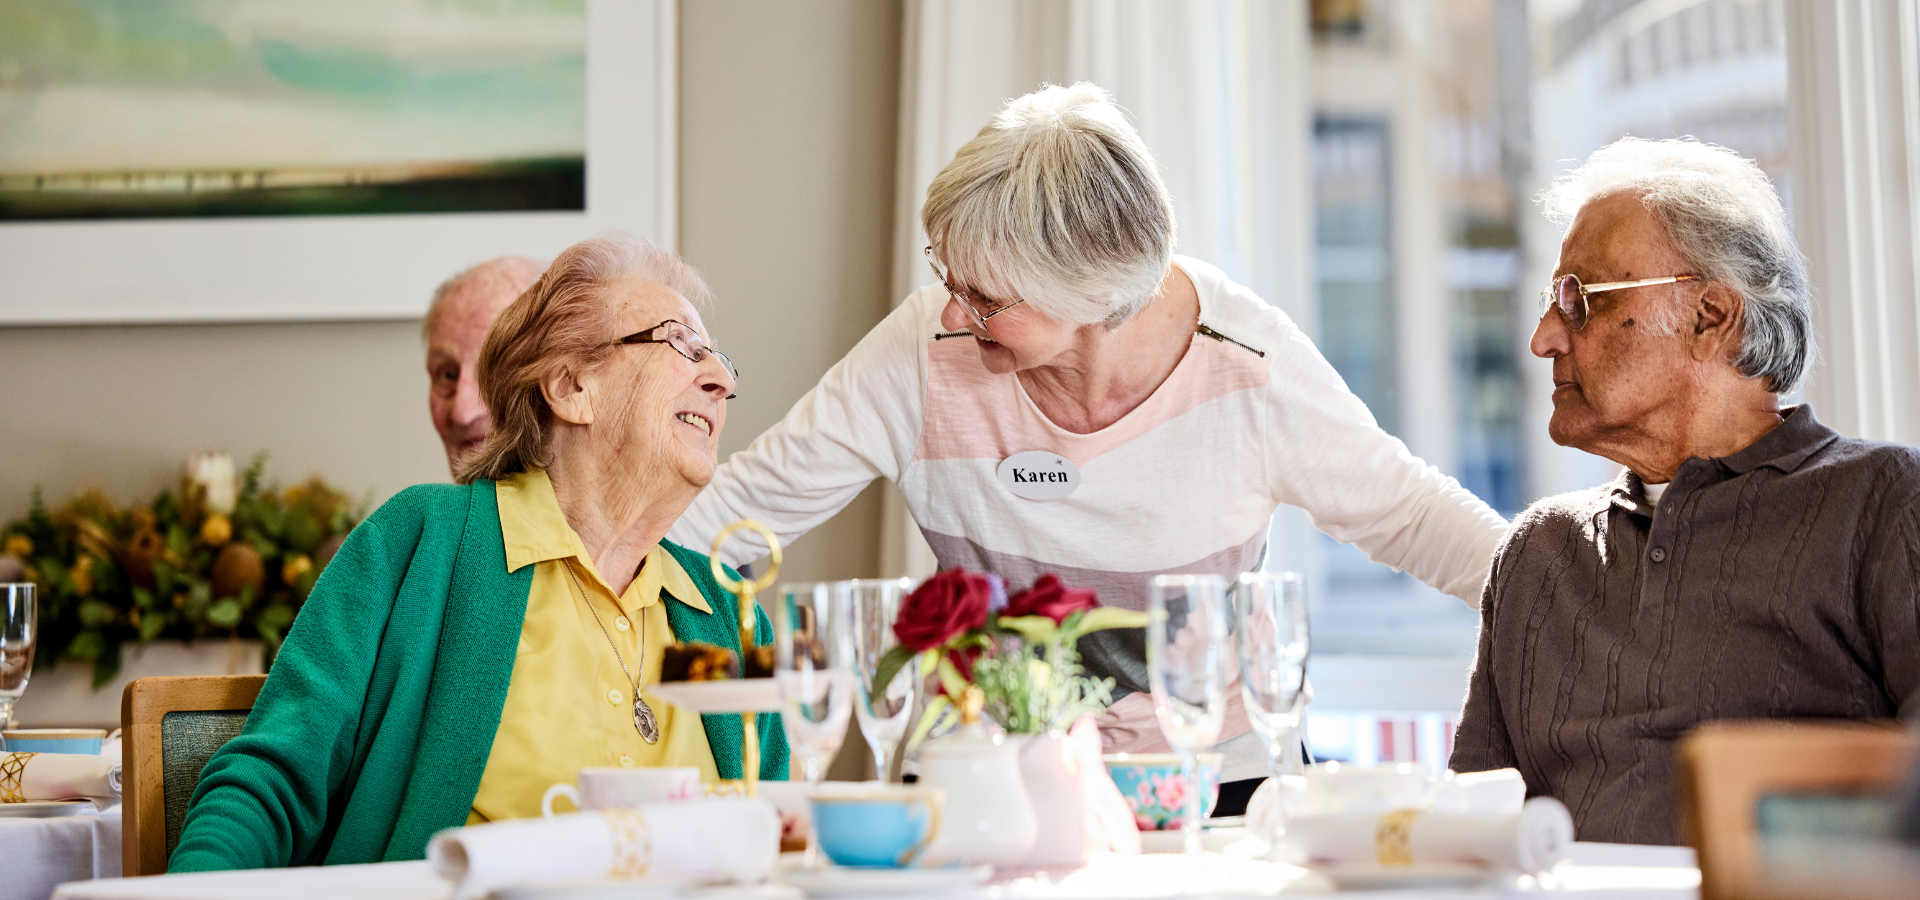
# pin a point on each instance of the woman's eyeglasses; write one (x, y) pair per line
(969, 301)
(684, 341)
(1570, 295)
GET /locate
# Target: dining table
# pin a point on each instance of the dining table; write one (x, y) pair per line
(38, 854)
(40, 851)
(1592, 872)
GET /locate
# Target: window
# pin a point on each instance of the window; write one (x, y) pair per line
(1429, 251)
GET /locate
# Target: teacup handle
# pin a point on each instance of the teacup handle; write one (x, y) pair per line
(912, 854)
(546, 799)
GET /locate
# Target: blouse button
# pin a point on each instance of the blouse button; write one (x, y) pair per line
(626, 762)
(621, 623)
(1659, 554)
(613, 697)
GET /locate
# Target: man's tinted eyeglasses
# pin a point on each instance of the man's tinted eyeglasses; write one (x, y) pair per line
(1570, 296)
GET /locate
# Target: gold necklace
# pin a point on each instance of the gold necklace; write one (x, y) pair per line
(643, 720)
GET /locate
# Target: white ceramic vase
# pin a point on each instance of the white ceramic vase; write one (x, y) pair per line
(985, 816)
(1052, 776)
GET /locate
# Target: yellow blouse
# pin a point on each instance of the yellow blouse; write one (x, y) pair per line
(568, 704)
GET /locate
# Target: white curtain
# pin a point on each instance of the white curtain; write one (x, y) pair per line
(1854, 121)
(1218, 89)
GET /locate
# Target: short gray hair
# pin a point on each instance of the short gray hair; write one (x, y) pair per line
(1057, 202)
(1724, 217)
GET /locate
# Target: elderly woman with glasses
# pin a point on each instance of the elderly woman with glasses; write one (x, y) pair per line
(1166, 411)
(472, 644)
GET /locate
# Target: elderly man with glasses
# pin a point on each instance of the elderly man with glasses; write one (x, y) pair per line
(1747, 563)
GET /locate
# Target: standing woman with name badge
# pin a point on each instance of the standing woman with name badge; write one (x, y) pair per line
(1071, 397)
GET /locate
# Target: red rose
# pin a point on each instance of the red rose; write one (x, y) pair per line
(963, 660)
(947, 604)
(1048, 597)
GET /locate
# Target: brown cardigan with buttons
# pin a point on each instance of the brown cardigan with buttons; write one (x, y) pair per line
(1782, 582)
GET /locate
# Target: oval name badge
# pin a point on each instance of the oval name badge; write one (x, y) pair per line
(1039, 475)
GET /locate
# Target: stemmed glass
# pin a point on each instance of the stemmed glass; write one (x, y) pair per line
(813, 667)
(16, 645)
(1271, 640)
(883, 710)
(1188, 668)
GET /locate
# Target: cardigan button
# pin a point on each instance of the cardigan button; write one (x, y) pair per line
(620, 623)
(613, 697)
(1659, 554)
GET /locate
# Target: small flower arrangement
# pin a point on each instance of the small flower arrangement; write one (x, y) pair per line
(1020, 651)
(219, 556)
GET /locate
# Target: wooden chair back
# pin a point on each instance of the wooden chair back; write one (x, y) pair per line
(1726, 768)
(161, 756)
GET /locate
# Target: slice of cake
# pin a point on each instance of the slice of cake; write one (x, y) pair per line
(698, 661)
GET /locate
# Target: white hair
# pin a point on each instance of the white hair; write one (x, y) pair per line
(1056, 202)
(1724, 218)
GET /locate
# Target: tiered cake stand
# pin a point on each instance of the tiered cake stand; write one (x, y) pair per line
(746, 696)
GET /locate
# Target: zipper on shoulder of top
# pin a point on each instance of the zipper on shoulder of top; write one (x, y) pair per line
(1203, 329)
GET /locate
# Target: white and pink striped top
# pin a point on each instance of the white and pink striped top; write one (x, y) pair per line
(1186, 482)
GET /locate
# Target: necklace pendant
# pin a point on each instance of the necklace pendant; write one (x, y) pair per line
(643, 720)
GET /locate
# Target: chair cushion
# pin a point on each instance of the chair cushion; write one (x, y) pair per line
(187, 741)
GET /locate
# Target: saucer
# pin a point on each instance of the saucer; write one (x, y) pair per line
(1212, 840)
(1427, 875)
(45, 809)
(724, 696)
(844, 881)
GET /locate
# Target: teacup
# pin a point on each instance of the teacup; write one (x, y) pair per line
(1156, 789)
(610, 788)
(1337, 788)
(879, 827)
(789, 799)
(53, 740)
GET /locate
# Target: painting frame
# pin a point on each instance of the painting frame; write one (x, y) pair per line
(366, 267)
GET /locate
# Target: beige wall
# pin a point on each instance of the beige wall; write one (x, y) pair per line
(787, 181)
(122, 406)
(788, 119)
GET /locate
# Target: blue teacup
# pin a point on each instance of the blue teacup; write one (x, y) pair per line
(53, 740)
(877, 827)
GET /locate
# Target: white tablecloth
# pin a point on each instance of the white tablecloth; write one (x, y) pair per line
(36, 855)
(1596, 872)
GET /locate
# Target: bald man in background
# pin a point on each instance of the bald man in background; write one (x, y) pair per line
(456, 325)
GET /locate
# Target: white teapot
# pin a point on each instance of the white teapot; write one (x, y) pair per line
(988, 817)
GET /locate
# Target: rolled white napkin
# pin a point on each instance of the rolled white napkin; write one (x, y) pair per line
(1532, 841)
(737, 840)
(60, 776)
(1500, 792)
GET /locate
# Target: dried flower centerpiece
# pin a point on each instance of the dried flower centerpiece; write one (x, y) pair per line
(217, 556)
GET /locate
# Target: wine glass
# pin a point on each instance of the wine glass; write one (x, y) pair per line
(813, 667)
(1271, 639)
(16, 645)
(1188, 667)
(883, 710)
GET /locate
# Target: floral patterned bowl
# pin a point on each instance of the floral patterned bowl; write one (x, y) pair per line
(1155, 788)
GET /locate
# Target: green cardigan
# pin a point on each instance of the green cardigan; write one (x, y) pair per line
(373, 730)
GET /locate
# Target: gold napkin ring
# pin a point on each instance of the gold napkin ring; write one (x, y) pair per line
(13, 768)
(1392, 837)
(632, 842)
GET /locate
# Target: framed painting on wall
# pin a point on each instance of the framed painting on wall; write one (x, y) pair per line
(274, 160)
